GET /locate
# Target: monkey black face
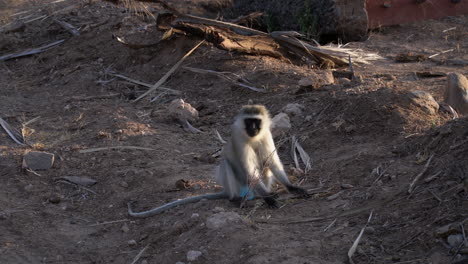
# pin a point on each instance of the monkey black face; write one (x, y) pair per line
(252, 126)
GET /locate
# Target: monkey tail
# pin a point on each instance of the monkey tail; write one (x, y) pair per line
(160, 209)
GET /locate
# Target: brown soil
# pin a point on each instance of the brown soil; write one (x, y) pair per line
(366, 134)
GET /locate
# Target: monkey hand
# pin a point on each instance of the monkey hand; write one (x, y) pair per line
(271, 202)
(299, 191)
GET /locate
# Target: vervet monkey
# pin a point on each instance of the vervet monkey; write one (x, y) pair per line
(249, 164)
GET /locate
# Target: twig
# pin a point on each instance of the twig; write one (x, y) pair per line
(31, 51)
(138, 256)
(145, 84)
(219, 137)
(68, 27)
(169, 73)
(112, 148)
(432, 177)
(33, 172)
(405, 244)
(88, 98)
(158, 96)
(111, 222)
(225, 76)
(188, 127)
(76, 185)
(330, 225)
(442, 52)
(11, 132)
(416, 179)
(435, 196)
(351, 67)
(294, 153)
(353, 248)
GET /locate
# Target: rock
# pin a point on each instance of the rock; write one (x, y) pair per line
(455, 240)
(124, 184)
(180, 262)
(55, 198)
(446, 230)
(280, 124)
(132, 242)
(344, 81)
(346, 186)
(327, 77)
(125, 228)
(308, 84)
(192, 255)
(29, 187)
(36, 160)
(369, 230)
(195, 215)
(144, 261)
(180, 110)
(456, 92)
(218, 209)
(293, 109)
(425, 101)
(222, 219)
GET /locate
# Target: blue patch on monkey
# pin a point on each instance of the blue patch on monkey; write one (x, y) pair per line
(245, 191)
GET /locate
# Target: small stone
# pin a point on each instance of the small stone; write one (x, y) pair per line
(36, 160)
(369, 230)
(334, 196)
(132, 242)
(344, 81)
(327, 77)
(280, 124)
(296, 172)
(424, 100)
(125, 228)
(456, 92)
(180, 262)
(124, 184)
(293, 109)
(144, 261)
(346, 186)
(308, 118)
(55, 198)
(222, 219)
(446, 230)
(192, 255)
(218, 209)
(455, 240)
(181, 110)
(313, 82)
(29, 187)
(195, 215)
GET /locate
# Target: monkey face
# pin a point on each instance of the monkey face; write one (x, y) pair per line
(252, 126)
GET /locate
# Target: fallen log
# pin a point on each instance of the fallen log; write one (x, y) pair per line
(283, 45)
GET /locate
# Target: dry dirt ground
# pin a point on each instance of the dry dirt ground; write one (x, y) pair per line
(366, 139)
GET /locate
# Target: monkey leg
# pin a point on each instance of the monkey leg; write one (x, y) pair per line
(262, 191)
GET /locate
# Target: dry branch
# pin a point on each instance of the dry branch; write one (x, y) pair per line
(419, 176)
(112, 147)
(14, 135)
(283, 45)
(68, 27)
(226, 75)
(31, 51)
(168, 74)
